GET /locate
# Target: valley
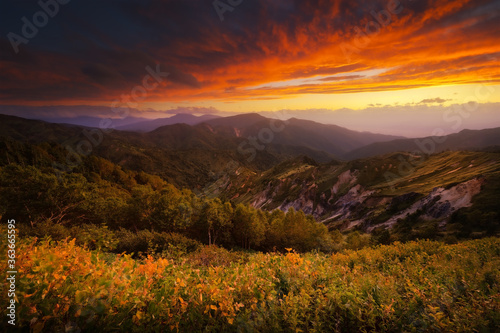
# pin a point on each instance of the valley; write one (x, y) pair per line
(368, 194)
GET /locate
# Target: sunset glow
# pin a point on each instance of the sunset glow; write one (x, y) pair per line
(263, 57)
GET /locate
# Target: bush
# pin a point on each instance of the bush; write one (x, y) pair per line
(421, 286)
(152, 242)
(94, 236)
(212, 255)
(86, 235)
(357, 241)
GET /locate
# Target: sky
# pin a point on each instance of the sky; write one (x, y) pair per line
(397, 67)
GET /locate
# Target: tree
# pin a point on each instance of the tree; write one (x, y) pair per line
(34, 196)
(141, 206)
(250, 226)
(356, 240)
(172, 210)
(217, 219)
(275, 237)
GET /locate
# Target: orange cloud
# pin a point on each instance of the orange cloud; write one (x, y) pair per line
(276, 50)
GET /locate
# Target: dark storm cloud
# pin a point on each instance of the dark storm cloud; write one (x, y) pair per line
(101, 74)
(98, 50)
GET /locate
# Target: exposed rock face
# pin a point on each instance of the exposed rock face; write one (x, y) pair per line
(440, 203)
(305, 198)
(345, 206)
(440, 210)
(359, 204)
(347, 177)
(305, 202)
(408, 197)
(358, 196)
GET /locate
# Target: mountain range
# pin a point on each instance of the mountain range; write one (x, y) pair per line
(150, 125)
(464, 140)
(346, 179)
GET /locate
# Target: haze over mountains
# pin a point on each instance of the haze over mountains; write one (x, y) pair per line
(150, 125)
(137, 124)
(344, 178)
(242, 133)
(464, 140)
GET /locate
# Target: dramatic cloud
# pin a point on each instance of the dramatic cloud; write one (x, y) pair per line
(92, 52)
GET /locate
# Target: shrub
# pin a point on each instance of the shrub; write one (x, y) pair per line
(152, 242)
(212, 255)
(420, 286)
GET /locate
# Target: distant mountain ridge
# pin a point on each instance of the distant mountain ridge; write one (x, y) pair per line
(186, 156)
(318, 141)
(136, 124)
(151, 125)
(89, 121)
(463, 140)
(331, 139)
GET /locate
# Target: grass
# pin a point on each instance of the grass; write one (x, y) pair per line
(441, 170)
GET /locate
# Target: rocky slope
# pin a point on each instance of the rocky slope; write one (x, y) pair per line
(371, 193)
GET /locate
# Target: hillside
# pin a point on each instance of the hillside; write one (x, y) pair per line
(450, 193)
(332, 139)
(192, 153)
(377, 192)
(464, 140)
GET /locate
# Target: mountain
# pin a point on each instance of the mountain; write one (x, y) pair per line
(186, 156)
(136, 124)
(332, 139)
(150, 125)
(88, 121)
(422, 192)
(454, 191)
(464, 140)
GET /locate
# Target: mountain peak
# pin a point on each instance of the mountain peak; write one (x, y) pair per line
(240, 120)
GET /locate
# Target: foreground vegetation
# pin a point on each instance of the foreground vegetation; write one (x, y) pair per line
(417, 286)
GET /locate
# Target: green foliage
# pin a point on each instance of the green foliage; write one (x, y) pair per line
(382, 237)
(59, 207)
(32, 195)
(90, 236)
(296, 230)
(249, 226)
(421, 286)
(152, 242)
(216, 219)
(356, 241)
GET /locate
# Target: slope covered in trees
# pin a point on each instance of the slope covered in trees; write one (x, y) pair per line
(99, 192)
